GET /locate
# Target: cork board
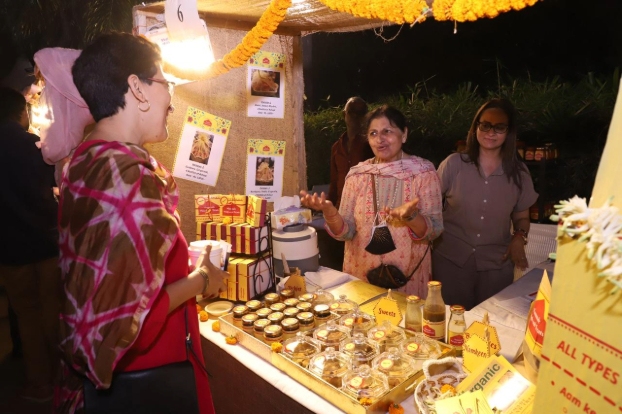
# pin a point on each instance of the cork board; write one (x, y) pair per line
(225, 96)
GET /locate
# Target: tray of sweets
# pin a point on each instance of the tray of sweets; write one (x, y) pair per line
(325, 390)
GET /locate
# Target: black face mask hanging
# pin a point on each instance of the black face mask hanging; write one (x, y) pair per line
(381, 241)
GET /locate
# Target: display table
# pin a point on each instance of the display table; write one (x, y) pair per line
(243, 382)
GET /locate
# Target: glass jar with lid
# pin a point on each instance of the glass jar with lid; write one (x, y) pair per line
(258, 326)
(357, 321)
(254, 305)
(271, 298)
(307, 297)
(272, 333)
(343, 306)
(359, 349)
(323, 297)
(321, 312)
(278, 307)
(248, 322)
(301, 348)
(275, 318)
(291, 302)
(263, 312)
(330, 335)
(386, 336)
(290, 326)
(420, 347)
(287, 294)
(304, 306)
(395, 365)
(365, 382)
(291, 312)
(330, 365)
(238, 312)
(307, 321)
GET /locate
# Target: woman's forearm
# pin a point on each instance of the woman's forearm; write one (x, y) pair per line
(333, 220)
(418, 225)
(183, 289)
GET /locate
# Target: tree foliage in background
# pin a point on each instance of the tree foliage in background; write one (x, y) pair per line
(573, 116)
(34, 24)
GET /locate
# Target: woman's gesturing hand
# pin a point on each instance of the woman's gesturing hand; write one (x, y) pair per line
(315, 202)
(406, 212)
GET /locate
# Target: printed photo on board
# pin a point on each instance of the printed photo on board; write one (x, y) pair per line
(265, 83)
(264, 174)
(201, 147)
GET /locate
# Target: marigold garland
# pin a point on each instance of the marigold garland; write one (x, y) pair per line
(412, 11)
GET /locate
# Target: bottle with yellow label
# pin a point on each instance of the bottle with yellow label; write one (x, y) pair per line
(434, 312)
(456, 328)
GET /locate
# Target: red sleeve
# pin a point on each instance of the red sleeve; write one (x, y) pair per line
(153, 323)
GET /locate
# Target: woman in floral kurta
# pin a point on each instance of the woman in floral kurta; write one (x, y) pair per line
(407, 191)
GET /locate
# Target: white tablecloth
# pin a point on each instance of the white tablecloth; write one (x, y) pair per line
(508, 321)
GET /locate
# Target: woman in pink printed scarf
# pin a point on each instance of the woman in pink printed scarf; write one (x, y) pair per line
(123, 257)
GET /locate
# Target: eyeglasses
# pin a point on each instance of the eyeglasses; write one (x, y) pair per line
(487, 126)
(170, 85)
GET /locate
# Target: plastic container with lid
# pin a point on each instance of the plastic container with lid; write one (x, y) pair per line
(330, 365)
(357, 321)
(364, 382)
(323, 297)
(331, 335)
(386, 336)
(307, 321)
(359, 349)
(395, 365)
(291, 326)
(196, 248)
(421, 347)
(343, 306)
(301, 348)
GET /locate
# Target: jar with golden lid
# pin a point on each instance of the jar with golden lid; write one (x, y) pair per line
(307, 297)
(323, 297)
(321, 312)
(330, 365)
(263, 312)
(304, 306)
(291, 302)
(365, 382)
(307, 321)
(291, 326)
(301, 348)
(359, 349)
(272, 333)
(386, 336)
(275, 318)
(238, 312)
(248, 322)
(357, 321)
(331, 334)
(291, 312)
(254, 305)
(259, 326)
(343, 306)
(271, 298)
(287, 294)
(278, 307)
(395, 365)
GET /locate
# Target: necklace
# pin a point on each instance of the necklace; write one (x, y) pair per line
(396, 187)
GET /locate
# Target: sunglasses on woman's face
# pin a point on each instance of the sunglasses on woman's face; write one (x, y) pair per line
(487, 126)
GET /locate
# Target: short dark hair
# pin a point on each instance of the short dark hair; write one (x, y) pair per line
(12, 104)
(100, 72)
(357, 106)
(395, 117)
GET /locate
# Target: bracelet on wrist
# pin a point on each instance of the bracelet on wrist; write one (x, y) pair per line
(205, 277)
(520, 233)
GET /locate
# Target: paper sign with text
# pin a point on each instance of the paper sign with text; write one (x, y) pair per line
(264, 168)
(201, 147)
(387, 309)
(265, 85)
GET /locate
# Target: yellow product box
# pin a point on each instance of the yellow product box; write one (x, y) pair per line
(256, 210)
(232, 280)
(220, 208)
(253, 276)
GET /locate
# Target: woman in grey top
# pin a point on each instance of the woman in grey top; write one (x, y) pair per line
(488, 192)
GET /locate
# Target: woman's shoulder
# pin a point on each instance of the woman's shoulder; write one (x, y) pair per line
(422, 164)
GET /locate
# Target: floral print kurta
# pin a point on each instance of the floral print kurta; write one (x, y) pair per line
(419, 179)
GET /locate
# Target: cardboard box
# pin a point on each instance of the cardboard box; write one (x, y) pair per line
(253, 276)
(289, 216)
(256, 210)
(244, 238)
(218, 207)
(232, 280)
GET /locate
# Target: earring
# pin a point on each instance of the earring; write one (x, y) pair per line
(148, 107)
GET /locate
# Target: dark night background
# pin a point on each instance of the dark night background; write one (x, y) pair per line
(565, 38)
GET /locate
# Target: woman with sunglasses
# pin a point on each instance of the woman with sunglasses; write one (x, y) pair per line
(487, 193)
(130, 294)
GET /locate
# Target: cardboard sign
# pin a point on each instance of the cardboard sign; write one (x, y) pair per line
(296, 283)
(536, 320)
(475, 352)
(387, 309)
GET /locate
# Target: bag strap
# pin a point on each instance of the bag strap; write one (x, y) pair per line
(189, 344)
(420, 261)
(373, 192)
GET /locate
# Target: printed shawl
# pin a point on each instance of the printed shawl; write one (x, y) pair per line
(117, 225)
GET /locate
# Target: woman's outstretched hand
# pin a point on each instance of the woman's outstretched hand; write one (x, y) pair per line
(315, 202)
(403, 212)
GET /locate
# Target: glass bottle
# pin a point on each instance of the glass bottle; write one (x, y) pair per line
(434, 312)
(456, 328)
(412, 322)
